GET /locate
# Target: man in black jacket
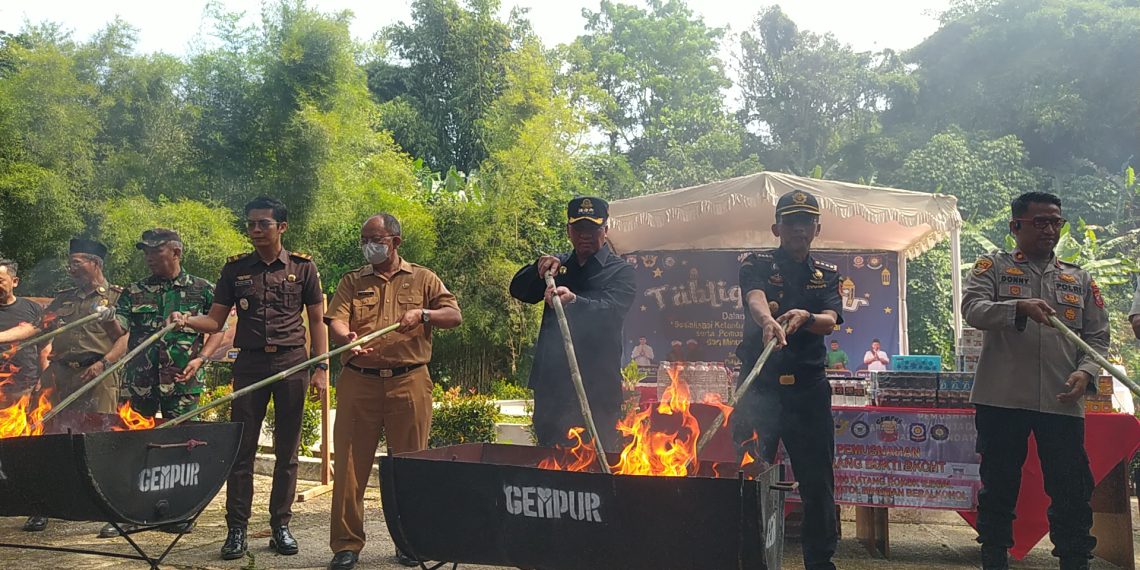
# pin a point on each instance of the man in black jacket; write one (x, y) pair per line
(596, 288)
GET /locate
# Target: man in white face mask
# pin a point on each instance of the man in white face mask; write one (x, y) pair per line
(384, 384)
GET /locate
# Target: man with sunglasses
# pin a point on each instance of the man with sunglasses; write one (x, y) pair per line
(271, 287)
(794, 299)
(1030, 379)
(597, 288)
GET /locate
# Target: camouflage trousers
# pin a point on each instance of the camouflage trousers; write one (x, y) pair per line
(171, 406)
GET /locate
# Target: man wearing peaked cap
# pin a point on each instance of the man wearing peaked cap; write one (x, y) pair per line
(79, 355)
(597, 289)
(794, 299)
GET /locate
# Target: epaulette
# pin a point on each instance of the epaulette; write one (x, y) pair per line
(1070, 264)
(825, 265)
(763, 255)
(62, 291)
(234, 258)
(115, 288)
(301, 256)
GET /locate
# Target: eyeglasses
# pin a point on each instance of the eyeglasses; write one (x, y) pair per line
(263, 224)
(376, 239)
(1042, 223)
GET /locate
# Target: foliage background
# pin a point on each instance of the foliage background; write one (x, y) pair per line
(473, 132)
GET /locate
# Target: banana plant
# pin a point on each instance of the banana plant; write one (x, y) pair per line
(1091, 253)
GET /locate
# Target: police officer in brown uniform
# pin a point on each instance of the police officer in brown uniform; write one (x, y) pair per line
(385, 384)
(78, 356)
(271, 287)
(1032, 380)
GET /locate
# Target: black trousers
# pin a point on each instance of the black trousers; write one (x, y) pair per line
(1003, 439)
(556, 410)
(288, 407)
(800, 416)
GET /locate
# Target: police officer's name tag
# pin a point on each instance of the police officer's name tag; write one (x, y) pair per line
(241, 282)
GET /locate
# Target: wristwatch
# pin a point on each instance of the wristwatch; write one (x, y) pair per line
(323, 366)
(426, 316)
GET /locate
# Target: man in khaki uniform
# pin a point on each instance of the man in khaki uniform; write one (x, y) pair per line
(78, 356)
(1031, 379)
(384, 385)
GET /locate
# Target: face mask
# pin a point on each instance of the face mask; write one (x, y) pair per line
(375, 253)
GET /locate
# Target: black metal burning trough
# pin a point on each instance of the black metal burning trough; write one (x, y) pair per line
(77, 471)
(489, 504)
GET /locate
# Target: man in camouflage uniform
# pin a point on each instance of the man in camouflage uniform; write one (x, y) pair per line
(167, 376)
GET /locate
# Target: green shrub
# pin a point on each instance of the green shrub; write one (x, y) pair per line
(310, 421)
(220, 413)
(503, 389)
(460, 419)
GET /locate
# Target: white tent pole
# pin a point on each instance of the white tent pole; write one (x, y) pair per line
(904, 332)
(956, 284)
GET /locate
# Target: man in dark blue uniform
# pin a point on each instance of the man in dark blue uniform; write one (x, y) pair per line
(794, 299)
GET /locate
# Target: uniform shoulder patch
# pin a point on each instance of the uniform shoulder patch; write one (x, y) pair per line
(300, 255)
(982, 265)
(237, 257)
(825, 265)
(1097, 298)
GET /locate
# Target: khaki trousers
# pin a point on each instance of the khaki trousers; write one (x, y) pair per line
(401, 407)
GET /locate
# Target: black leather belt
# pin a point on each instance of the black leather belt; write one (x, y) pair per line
(383, 372)
(274, 348)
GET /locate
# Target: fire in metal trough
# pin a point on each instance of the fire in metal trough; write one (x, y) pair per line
(489, 504)
(145, 477)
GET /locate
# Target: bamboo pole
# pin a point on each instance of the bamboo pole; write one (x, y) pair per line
(707, 435)
(1101, 360)
(280, 375)
(96, 380)
(576, 374)
(99, 313)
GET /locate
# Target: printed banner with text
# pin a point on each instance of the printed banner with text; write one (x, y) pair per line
(905, 458)
(688, 305)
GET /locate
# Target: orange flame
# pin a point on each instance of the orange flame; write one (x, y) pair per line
(17, 421)
(664, 451)
(132, 419)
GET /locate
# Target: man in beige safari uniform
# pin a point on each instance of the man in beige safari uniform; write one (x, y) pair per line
(1031, 379)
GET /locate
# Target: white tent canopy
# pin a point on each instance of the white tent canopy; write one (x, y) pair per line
(737, 214)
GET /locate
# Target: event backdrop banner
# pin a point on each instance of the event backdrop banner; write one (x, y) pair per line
(905, 458)
(693, 298)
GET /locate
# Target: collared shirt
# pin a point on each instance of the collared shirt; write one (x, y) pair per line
(788, 284)
(1023, 364)
(142, 311)
(70, 305)
(605, 288)
(368, 302)
(270, 297)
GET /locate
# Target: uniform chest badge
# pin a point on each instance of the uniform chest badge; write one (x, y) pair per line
(773, 306)
(291, 278)
(101, 290)
(1072, 298)
(817, 275)
(1014, 271)
(1070, 314)
(103, 302)
(1068, 278)
(244, 304)
(1015, 290)
(240, 277)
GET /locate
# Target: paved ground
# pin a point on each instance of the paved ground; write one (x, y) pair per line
(918, 541)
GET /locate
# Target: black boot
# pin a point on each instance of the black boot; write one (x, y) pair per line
(283, 541)
(406, 560)
(344, 560)
(35, 524)
(995, 558)
(235, 545)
